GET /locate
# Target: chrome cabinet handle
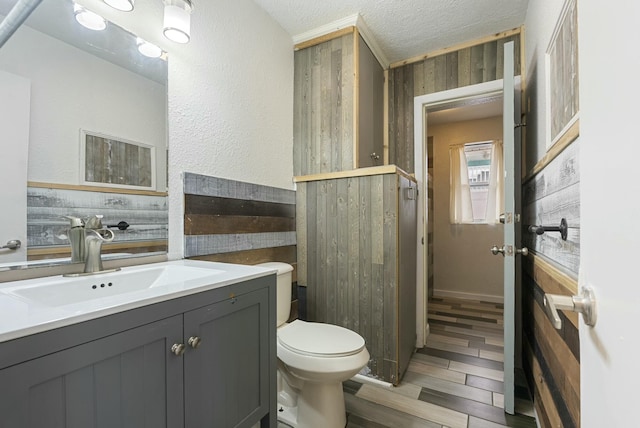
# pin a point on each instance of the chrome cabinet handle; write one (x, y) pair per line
(194, 341)
(178, 349)
(14, 244)
(495, 250)
(584, 303)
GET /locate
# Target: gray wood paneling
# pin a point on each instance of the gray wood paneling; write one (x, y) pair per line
(352, 263)
(371, 103)
(469, 66)
(226, 216)
(204, 185)
(147, 215)
(553, 194)
(324, 82)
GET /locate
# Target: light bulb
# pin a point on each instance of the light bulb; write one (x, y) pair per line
(177, 20)
(89, 19)
(123, 5)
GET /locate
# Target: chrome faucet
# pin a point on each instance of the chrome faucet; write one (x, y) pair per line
(86, 237)
(95, 236)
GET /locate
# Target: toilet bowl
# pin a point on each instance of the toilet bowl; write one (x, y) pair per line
(313, 361)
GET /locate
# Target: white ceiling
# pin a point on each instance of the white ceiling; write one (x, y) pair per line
(404, 28)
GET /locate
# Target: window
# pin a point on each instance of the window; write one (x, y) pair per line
(476, 182)
(478, 167)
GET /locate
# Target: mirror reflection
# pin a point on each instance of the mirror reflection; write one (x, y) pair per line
(67, 82)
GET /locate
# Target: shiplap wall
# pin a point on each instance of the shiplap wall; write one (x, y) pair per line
(356, 255)
(324, 100)
(552, 357)
(47, 230)
(233, 221)
(468, 66)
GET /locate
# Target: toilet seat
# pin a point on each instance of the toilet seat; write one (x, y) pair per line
(320, 340)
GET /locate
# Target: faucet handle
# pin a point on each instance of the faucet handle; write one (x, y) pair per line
(74, 221)
(94, 222)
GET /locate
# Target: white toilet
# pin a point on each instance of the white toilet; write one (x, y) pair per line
(313, 361)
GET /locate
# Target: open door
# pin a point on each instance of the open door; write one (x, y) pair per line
(511, 249)
(14, 143)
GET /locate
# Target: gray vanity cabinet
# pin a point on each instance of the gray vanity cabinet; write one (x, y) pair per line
(123, 370)
(226, 379)
(123, 380)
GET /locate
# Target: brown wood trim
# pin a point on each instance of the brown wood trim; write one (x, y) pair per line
(385, 118)
(114, 246)
(252, 257)
(324, 38)
(360, 172)
(94, 188)
(212, 205)
(540, 265)
(203, 224)
(458, 47)
(356, 97)
(570, 135)
(551, 280)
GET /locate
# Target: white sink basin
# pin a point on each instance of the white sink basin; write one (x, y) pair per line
(35, 305)
(62, 291)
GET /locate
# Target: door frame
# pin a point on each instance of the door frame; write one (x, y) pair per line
(420, 106)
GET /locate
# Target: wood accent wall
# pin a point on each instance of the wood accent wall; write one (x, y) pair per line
(551, 357)
(550, 195)
(236, 222)
(146, 213)
(356, 255)
(324, 106)
(338, 105)
(470, 65)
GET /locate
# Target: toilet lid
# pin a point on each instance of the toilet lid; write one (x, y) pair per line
(318, 339)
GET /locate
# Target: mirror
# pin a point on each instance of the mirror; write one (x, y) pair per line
(82, 82)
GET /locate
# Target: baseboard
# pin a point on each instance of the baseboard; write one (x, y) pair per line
(468, 296)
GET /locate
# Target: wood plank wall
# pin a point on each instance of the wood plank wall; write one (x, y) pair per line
(552, 357)
(235, 222)
(549, 196)
(324, 107)
(467, 66)
(147, 215)
(348, 257)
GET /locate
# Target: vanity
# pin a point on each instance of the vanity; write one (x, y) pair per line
(172, 344)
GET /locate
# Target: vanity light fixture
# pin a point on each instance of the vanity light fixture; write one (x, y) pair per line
(177, 20)
(148, 49)
(123, 5)
(89, 19)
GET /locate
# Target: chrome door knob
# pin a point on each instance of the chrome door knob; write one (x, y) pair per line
(495, 250)
(178, 349)
(194, 341)
(524, 251)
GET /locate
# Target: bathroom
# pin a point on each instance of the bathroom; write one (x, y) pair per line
(229, 110)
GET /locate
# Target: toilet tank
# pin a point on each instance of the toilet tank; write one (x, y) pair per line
(283, 289)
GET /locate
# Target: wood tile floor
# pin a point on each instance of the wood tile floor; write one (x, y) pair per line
(454, 382)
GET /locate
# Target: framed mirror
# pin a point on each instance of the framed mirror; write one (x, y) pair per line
(64, 79)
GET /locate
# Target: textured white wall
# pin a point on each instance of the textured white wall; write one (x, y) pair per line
(230, 103)
(72, 90)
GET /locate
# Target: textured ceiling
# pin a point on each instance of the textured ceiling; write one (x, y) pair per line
(404, 28)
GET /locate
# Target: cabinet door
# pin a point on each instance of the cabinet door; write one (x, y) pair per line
(129, 379)
(227, 375)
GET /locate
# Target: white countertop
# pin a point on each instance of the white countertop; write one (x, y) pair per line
(20, 316)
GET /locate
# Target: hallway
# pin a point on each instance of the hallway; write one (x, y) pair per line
(455, 381)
